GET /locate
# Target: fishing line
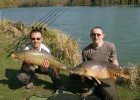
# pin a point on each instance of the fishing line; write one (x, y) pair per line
(21, 36)
(25, 37)
(56, 9)
(55, 17)
(48, 18)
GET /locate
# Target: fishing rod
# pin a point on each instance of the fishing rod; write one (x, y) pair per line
(46, 17)
(48, 14)
(56, 17)
(52, 15)
(22, 36)
(56, 9)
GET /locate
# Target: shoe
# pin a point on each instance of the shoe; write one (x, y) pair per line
(29, 85)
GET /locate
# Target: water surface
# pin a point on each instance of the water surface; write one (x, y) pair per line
(121, 25)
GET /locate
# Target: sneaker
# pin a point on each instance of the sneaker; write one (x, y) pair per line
(29, 85)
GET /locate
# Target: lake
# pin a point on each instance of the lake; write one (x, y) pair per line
(121, 25)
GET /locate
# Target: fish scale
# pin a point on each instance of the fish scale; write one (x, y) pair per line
(98, 70)
(38, 57)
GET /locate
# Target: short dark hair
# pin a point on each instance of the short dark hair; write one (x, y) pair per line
(35, 30)
(97, 27)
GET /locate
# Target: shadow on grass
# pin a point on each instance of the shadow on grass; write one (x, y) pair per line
(11, 80)
(48, 85)
(14, 84)
(72, 84)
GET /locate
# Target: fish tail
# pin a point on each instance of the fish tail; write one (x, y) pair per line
(126, 76)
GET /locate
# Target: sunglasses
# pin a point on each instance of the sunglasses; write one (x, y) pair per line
(96, 35)
(35, 38)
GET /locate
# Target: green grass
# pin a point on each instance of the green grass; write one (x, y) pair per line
(11, 89)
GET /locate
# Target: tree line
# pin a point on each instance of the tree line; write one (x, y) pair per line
(44, 3)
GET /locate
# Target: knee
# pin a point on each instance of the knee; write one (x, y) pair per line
(23, 77)
(52, 70)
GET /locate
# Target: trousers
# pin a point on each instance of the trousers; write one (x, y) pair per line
(107, 90)
(27, 76)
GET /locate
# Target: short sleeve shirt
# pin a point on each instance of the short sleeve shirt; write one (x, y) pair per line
(42, 48)
(107, 52)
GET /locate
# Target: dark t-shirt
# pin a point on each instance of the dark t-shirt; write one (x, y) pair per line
(107, 52)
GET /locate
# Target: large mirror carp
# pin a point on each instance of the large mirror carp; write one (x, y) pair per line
(37, 57)
(98, 70)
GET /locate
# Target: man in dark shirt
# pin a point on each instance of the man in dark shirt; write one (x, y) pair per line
(100, 50)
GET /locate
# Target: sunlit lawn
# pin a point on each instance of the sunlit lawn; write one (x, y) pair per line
(11, 89)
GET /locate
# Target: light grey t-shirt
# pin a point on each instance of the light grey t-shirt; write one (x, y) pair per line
(107, 52)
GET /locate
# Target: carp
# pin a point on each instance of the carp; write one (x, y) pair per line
(37, 57)
(98, 70)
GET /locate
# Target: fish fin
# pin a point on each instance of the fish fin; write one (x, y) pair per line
(113, 77)
(89, 77)
(126, 76)
(98, 81)
(36, 66)
(86, 74)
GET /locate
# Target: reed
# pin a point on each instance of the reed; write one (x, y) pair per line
(46, 3)
(134, 72)
(63, 47)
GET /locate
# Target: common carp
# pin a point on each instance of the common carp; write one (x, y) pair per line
(37, 57)
(98, 70)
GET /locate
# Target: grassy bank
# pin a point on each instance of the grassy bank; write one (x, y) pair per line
(10, 88)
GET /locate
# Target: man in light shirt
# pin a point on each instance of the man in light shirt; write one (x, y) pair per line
(27, 72)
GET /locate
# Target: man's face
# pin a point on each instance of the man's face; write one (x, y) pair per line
(36, 39)
(97, 35)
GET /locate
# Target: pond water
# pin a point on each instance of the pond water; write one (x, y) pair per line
(121, 25)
